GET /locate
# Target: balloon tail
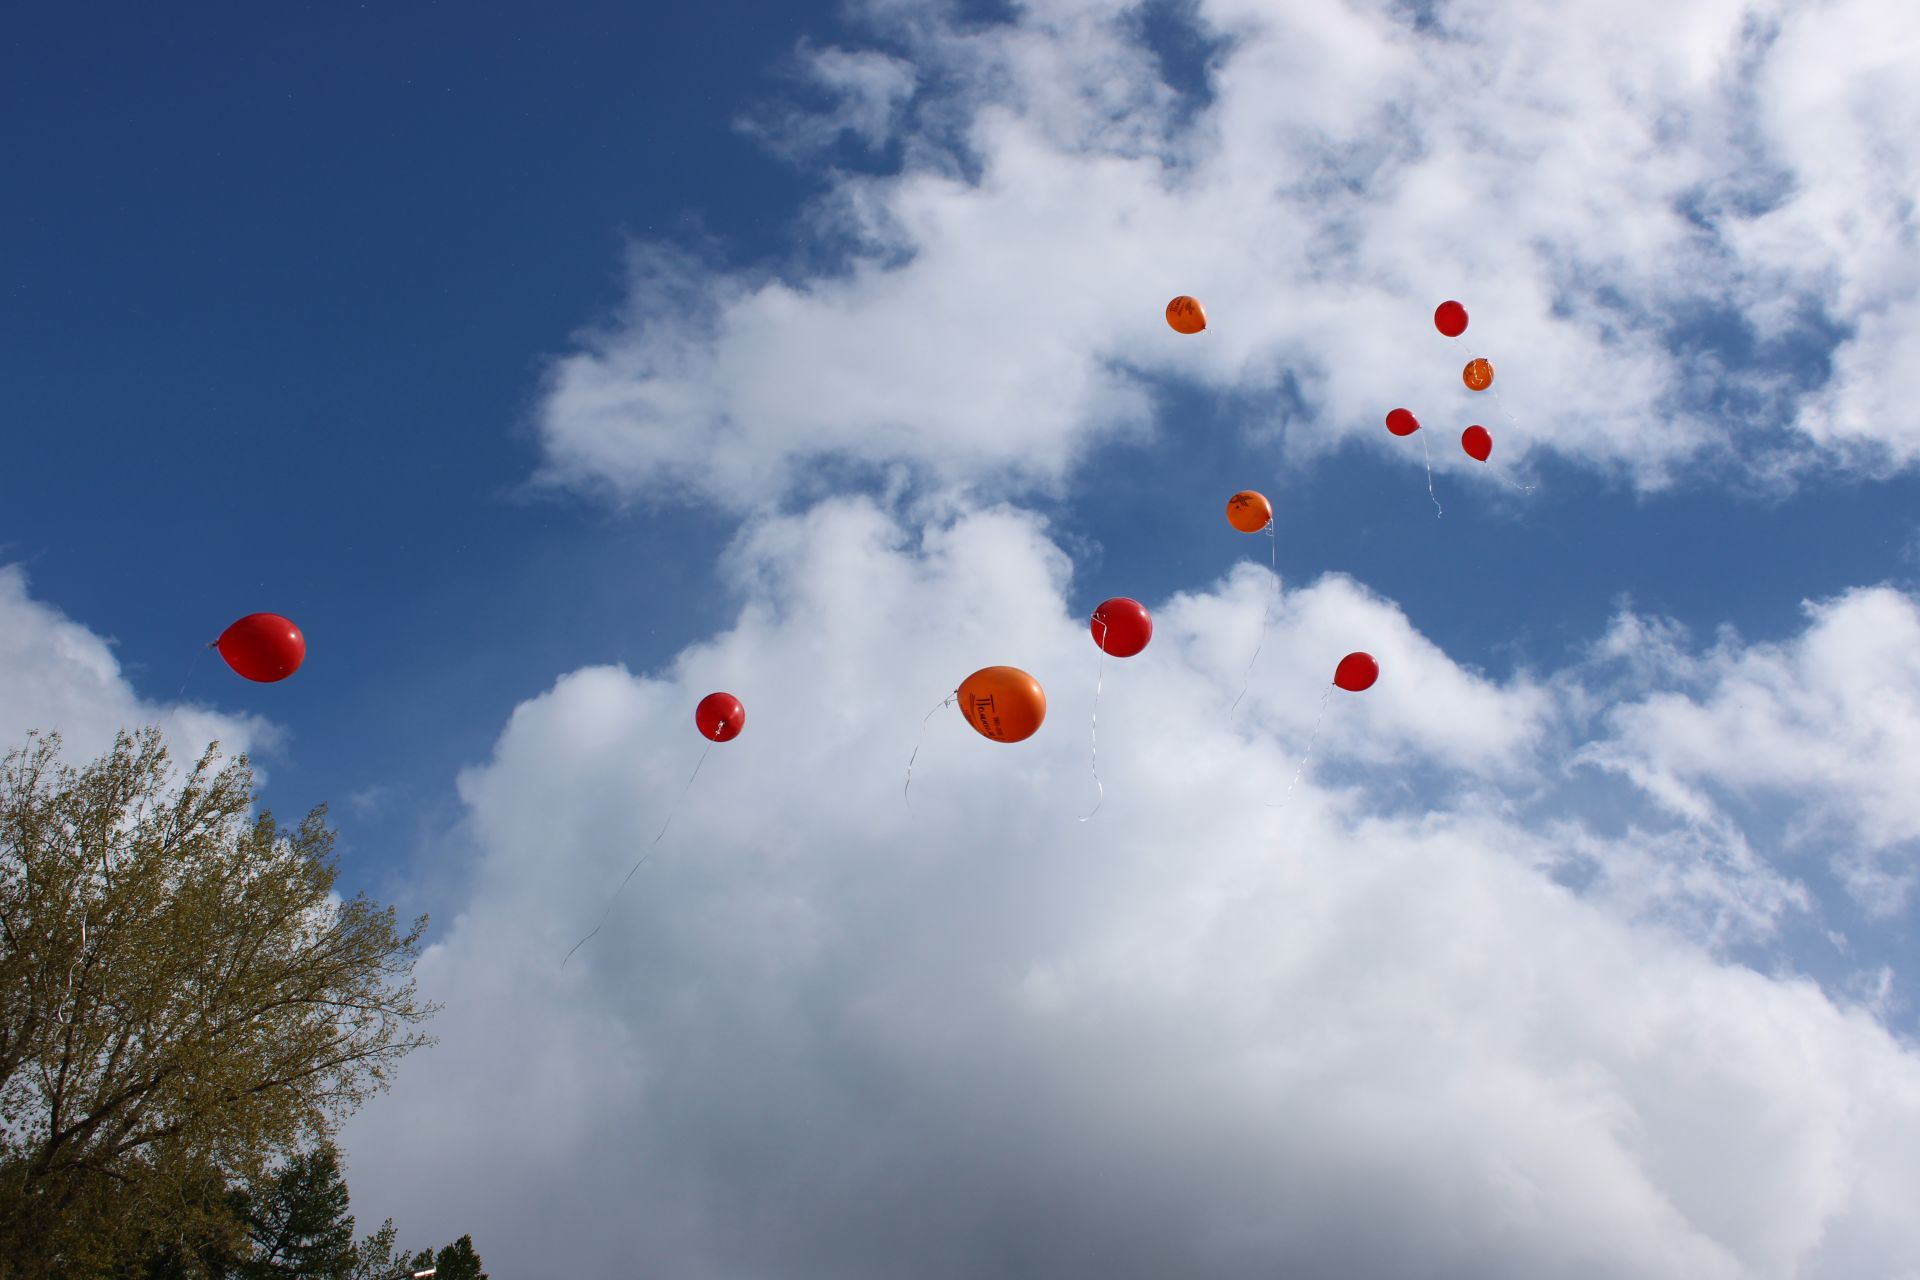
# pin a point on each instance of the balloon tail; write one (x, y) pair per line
(1273, 572)
(1513, 484)
(1311, 739)
(904, 791)
(65, 1013)
(1093, 723)
(1437, 511)
(675, 808)
(193, 666)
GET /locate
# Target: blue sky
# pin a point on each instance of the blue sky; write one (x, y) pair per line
(279, 293)
(491, 346)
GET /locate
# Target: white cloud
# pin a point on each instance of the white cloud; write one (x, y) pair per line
(826, 1035)
(1608, 188)
(57, 675)
(1830, 719)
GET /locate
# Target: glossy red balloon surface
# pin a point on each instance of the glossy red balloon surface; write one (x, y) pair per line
(1402, 422)
(1122, 626)
(1450, 318)
(1357, 671)
(720, 716)
(1478, 442)
(263, 647)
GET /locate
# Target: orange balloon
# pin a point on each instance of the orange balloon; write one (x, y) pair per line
(1186, 315)
(1249, 512)
(1478, 375)
(1003, 703)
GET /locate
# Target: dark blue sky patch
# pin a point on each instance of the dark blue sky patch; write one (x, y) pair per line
(1185, 52)
(1423, 16)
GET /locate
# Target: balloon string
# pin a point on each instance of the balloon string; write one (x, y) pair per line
(1512, 483)
(1093, 722)
(648, 854)
(945, 702)
(192, 666)
(1273, 572)
(1311, 739)
(1437, 511)
(64, 1014)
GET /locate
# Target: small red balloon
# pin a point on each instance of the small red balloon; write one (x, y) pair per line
(1402, 422)
(263, 647)
(1122, 626)
(720, 716)
(1450, 318)
(1357, 671)
(1478, 442)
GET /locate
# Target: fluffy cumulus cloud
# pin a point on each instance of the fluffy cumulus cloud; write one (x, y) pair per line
(56, 675)
(826, 1033)
(1685, 237)
(1832, 718)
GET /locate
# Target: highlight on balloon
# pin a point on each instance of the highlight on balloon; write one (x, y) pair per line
(263, 647)
(1186, 315)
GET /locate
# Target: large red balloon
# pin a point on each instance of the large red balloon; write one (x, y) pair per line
(1122, 626)
(264, 647)
(1357, 671)
(721, 717)
(1450, 318)
(1402, 422)
(1478, 442)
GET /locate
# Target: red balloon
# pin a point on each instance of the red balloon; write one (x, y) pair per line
(1478, 442)
(1450, 318)
(1122, 626)
(1402, 422)
(720, 716)
(264, 647)
(1357, 671)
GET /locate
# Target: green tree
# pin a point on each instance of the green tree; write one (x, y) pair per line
(298, 1224)
(456, 1261)
(374, 1259)
(182, 997)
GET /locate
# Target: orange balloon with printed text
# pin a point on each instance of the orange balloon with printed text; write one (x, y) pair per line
(1249, 511)
(1186, 315)
(1003, 703)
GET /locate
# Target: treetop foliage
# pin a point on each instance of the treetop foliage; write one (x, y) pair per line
(184, 1001)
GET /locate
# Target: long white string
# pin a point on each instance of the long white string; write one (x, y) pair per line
(1273, 573)
(944, 702)
(648, 854)
(1437, 512)
(1093, 723)
(1311, 739)
(188, 678)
